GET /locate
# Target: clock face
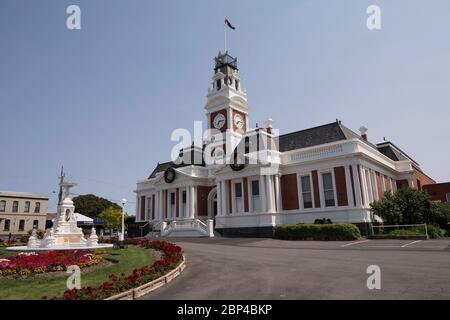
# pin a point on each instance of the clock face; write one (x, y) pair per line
(238, 121)
(219, 121)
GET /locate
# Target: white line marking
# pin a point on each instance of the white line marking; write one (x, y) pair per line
(352, 243)
(405, 245)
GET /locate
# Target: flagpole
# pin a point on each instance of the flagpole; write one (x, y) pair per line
(225, 32)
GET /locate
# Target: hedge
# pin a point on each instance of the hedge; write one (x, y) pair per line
(325, 232)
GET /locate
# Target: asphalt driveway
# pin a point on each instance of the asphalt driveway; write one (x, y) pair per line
(237, 268)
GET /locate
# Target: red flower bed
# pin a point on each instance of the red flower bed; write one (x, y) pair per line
(26, 263)
(172, 256)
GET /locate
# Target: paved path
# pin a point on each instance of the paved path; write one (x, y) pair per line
(226, 268)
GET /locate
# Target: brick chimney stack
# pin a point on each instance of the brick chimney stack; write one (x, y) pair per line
(363, 131)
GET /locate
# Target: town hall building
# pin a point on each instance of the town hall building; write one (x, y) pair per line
(328, 171)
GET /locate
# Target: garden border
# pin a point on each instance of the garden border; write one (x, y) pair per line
(140, 291)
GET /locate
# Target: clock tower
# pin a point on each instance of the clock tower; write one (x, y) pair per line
(226, 106)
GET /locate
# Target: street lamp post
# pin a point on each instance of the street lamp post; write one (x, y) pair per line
(122, 234)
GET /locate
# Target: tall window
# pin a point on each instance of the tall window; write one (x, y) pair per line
(35, 224)
(448, 198)
(7, 225)
(256, 200)
(21, 225)
(306, 192)
(184, 203)
(27, 206)
(172, 204)
(328, 191)
(15, 207)
(37, 207)
(2, 206)
(238, 197)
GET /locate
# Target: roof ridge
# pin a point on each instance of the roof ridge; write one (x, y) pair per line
(312, 128)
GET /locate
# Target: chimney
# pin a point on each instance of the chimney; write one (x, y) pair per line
(269, 125)
(363, 131)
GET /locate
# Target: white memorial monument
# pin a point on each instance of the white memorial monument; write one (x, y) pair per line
(64, 235)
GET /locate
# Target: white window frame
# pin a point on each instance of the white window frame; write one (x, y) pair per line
(184, 208)
(233, 196)
(172, 212)
(322, 191)
(447, 196)
(300, 196)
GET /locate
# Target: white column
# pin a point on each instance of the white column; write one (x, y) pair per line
(191, 202)
(219, 199)
(358, 195)
(188, 202)
(279, 206)
(270, 206)
(365, 187)
(224, 198)
(348, 182)
(262, 192)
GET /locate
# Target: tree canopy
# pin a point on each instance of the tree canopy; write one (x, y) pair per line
(112, 218)
(91, 205)
(411, 206)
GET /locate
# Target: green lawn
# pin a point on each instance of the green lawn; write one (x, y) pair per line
(26, 289)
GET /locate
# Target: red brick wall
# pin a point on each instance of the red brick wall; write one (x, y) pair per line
(246, 195)
(438, 191)
(289, 191)
(422, 178)
(341, 186)
(379, 186)
(315, 186)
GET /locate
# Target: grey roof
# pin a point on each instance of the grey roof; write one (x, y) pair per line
(327, 133)
(163, 167)
(393, 152)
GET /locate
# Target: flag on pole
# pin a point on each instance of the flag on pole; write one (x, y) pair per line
(229, 24)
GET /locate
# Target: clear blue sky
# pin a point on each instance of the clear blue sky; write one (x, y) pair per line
(104, 100)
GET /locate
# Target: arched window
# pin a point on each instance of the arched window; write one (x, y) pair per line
(2, 206)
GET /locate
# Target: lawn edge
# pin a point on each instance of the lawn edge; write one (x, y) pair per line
(140, 291)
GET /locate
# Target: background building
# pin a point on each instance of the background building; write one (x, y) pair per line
(21, 212)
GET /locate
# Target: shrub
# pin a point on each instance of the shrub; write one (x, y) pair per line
(435, 232)
(327, 232)
(439, 214)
